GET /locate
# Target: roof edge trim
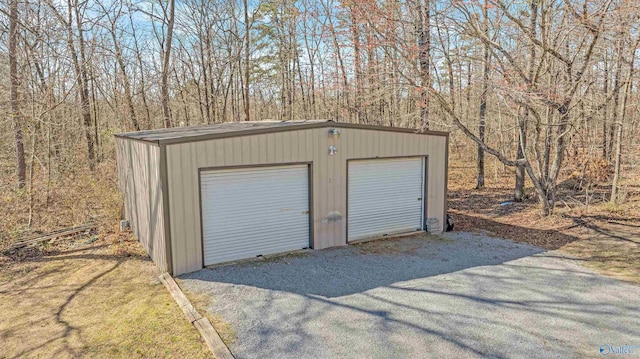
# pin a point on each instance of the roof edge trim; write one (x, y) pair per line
(306, 126)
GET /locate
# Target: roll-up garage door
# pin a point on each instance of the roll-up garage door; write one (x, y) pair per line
(385, 197)
(254, 211)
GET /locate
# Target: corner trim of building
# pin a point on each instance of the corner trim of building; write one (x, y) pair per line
(164, 181)
(446, 183)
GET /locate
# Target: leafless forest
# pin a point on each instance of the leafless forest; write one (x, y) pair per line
(542, 90)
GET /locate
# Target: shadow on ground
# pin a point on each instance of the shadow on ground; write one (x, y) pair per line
(607, 243)
(544, 238)
(618, 228)
(492, 202)
(99, 301)
(357, 268)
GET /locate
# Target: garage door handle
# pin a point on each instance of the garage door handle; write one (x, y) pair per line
(419, 198)
(305, 212)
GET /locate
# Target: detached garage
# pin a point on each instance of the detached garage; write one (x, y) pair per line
(198, 196)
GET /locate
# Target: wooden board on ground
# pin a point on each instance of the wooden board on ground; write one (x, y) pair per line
(208, 332)
(180, 298)
(34, 239)
(211, 337)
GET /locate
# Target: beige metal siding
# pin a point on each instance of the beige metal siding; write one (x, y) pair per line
(140, 186)
(329, 177)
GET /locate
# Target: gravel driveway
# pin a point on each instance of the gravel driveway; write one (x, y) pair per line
(460, 296)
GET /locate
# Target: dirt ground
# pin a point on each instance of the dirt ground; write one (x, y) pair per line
(96, 300)
(584, 226)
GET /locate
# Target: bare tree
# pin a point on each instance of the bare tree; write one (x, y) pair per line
(554, 78)
(15, 109)
(623, 115)
(423, 32)
(519, 194)
(80, 64)
(515, 76)
(166, 59)
(247, 64)
(483, 96)
(113, 15)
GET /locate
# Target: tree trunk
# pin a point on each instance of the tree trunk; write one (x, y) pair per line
(247, 116)
(166, 58)
(519, 194)
(125, 80)
(423, 30)
(556, 166)
(468, 92)
(617, 159)
(80, 66)
(143, 91)
(616, 101)
(483, 100)
(623, 114)
(312, 79)
(96, 110)
(303, 95)
(15, 110)
(341, 65)
(604, 106)
(205, 76)
(355, 33)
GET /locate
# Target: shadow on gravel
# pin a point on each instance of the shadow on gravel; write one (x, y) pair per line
(357, 268)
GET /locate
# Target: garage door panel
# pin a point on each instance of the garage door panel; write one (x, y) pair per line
(238, 250)
(254, 211)
(398, 201)
(275, 210)
(385, 197)
(391, 216)
(273, 230)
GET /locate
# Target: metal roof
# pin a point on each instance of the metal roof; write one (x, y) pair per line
(166, 136)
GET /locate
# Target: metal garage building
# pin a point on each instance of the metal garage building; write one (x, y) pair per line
(197, 196)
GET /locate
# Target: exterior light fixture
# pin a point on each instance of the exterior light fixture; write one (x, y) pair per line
(334, 132)
(332, 150)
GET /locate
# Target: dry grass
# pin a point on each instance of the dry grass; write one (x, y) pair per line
(608, 246)
(92, 296)
(101, 300)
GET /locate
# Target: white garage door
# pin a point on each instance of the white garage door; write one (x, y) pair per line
(385, 197)
(254, 211)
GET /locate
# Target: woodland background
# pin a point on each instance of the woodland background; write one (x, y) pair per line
(541, 96)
